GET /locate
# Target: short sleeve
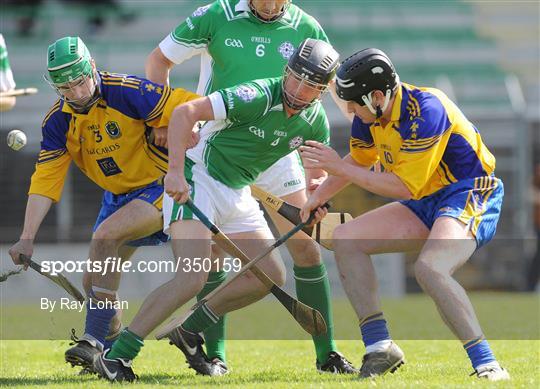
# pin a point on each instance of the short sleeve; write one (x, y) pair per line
(192, 36)
(54, 160)
(361, 145)
(247, 101)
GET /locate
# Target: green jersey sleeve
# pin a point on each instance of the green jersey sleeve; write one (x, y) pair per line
(242, 103)
(192, 36)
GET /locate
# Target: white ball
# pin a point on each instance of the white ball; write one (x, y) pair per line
(16, 139)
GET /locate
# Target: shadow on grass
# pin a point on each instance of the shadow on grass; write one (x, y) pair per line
(187, 379)
(26, 381)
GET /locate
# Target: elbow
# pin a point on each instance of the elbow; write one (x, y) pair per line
(156, 61)
(184, 113)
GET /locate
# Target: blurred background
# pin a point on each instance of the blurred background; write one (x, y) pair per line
(483, 54)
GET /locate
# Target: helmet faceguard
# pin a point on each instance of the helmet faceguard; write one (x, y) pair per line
(308, 72)
(364, 72)
(71, 73)
(267, 14)
(299, 92)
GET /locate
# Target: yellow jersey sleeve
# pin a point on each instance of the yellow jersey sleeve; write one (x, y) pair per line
(49, 176)
(361, 145)
(54, 159)
(177, 96)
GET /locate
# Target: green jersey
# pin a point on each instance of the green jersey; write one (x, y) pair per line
(252, 131)
(235, 46)
(6, 76)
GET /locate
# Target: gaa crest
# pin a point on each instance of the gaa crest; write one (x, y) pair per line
(296, 142)
(246, 93)
(113, 130)
(201, 11)
(286, 49)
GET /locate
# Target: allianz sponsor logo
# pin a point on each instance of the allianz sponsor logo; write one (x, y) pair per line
(230, 42)
(256, 131)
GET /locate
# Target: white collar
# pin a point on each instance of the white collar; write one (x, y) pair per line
(242, 6)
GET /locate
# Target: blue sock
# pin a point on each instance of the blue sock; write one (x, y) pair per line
(374, 329)
(98, 320)
(479, 352)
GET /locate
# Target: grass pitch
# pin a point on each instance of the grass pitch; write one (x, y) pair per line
(287, 358)
(271, 364)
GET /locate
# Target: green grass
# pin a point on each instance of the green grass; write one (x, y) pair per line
(271, 364)
(502, 316)
(286, 358)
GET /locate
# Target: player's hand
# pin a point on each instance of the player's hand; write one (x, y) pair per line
(313, 203)
(160, 136)
(195, 137)
(316, 155)
(177, 187)
(23, 246)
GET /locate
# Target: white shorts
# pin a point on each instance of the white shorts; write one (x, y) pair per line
(284, 177)
(231, 210)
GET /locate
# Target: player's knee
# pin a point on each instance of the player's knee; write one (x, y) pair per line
(344, 239)
(276, 271)
(106, 236)
(194, 282)
(305, 252)
(343, 232)
(427, 272)
(280, 277)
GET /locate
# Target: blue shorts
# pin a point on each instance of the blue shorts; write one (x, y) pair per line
(475, 201)
(153, 194)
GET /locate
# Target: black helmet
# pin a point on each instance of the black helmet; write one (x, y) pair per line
(314, 62)
(364, 72)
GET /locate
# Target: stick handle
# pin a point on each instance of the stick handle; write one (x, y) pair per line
(19, 92)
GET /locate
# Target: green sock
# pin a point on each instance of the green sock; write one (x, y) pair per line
(201, 319)
(127, 346)
(313, 289)
(214, 336)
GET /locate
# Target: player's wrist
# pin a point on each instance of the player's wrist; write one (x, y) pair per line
(28, 236)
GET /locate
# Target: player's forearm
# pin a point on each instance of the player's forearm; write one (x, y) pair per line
(157, 67)
(329, 188)
(178, 137)
(383, 184)
(36, 209)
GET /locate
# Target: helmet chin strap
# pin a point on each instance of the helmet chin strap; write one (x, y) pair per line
(377, 111)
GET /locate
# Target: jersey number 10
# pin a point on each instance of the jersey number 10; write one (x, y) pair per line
(388, 158)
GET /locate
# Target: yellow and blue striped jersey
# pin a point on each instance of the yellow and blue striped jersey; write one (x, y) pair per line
(109, 142)
(428, 142)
